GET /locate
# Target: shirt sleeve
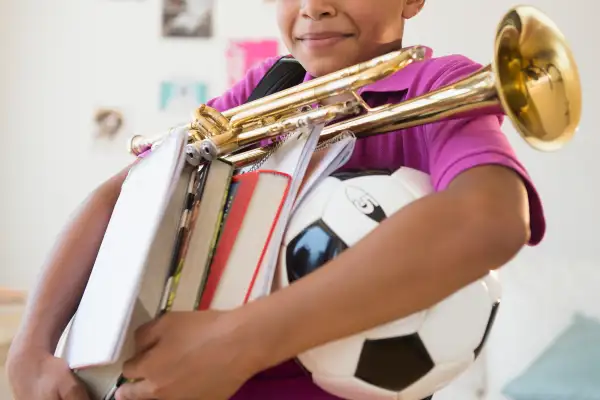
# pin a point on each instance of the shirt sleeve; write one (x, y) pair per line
(457, 145)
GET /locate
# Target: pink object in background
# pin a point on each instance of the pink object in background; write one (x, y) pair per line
(244, 54)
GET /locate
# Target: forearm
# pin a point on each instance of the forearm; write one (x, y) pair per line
(65, 275)
(410, 262)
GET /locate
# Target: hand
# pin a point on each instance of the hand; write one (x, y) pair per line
(38, 375)
(189, 356)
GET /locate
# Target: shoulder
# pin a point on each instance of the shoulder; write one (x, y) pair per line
(239, 93)
(425, 76)
(437, 72)
(456, 145)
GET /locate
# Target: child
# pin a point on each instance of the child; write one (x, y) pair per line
(484, 210)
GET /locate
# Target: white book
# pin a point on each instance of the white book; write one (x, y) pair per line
(99, 327)
(291, 158)
(327, 158)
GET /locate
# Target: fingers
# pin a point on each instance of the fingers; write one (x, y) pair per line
(141, 390)
(72, 389)
(132, 367)
(146, 336)
(136, 368)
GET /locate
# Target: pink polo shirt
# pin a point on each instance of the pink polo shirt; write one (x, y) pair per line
(442, 149)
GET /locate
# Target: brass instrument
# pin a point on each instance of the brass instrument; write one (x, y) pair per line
(533, 79)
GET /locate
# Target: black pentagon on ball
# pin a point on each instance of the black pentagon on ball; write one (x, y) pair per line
(394, 363)
(310, 249)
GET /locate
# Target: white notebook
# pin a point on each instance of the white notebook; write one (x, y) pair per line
(327, 158)
(291, 158)
(98, 329)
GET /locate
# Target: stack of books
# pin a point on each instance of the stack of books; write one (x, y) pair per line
(186, 238)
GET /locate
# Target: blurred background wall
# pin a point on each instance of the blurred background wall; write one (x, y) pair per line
(64, 63)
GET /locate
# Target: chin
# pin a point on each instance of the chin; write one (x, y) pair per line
(326, 65)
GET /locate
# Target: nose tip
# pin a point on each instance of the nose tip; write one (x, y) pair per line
(317, 9)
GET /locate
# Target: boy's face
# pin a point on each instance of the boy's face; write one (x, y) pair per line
(328, 35)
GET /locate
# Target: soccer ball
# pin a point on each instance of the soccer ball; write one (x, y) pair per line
(407, 359)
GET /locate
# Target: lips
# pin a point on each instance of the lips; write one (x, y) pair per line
(322, 35)
(322, 39)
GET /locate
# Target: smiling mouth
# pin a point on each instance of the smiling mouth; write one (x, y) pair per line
(322, 40)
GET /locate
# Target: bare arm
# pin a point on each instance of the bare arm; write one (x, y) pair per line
(63, 279)
(417, 257)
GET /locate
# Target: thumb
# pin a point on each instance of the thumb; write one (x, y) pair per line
(73, 389)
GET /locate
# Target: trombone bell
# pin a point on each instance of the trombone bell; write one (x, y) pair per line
(537, 79)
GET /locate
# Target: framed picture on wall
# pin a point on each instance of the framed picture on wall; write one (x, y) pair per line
(187, 18)
(181, 96)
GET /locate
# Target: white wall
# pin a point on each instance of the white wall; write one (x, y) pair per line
(83, 55)
(60, 59)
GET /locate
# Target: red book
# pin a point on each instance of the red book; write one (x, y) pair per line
(254, 212)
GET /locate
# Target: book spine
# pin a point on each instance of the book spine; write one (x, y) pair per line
(232, 224)
(226, 201)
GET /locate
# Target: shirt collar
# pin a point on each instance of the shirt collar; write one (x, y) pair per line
(398, 81)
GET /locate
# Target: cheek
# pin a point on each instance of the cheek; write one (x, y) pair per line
(286, 12)
(379, 23)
